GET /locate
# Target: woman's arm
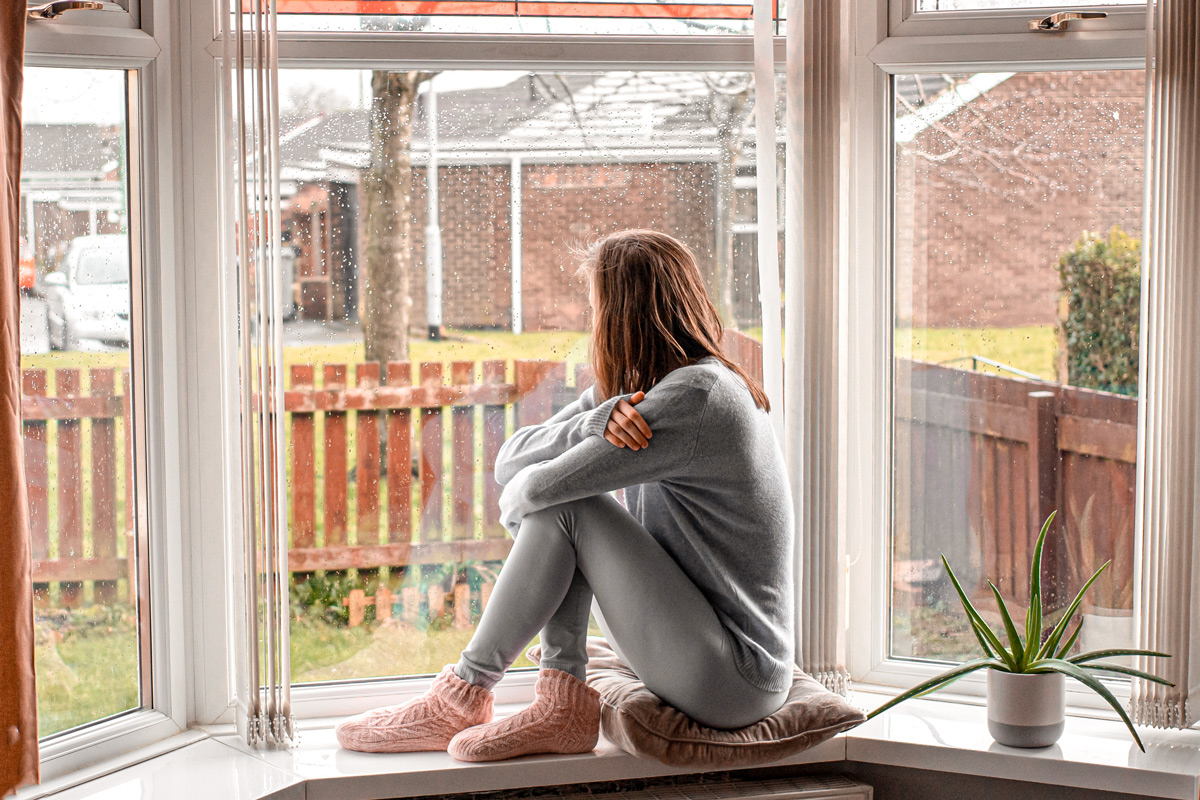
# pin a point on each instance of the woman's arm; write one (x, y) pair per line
(536, 443)
(593, 466)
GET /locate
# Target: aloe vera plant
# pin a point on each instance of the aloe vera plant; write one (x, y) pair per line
(1035, 653)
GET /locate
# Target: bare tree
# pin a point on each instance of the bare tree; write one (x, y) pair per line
(310, 98)
(387, 295)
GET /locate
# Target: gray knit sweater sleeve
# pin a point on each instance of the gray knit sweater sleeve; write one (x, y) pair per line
(534, 444)
(592, 465)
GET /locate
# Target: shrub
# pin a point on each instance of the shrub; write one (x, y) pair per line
(1101, 278)
(320, 596)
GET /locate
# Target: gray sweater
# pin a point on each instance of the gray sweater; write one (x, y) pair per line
(710, 488)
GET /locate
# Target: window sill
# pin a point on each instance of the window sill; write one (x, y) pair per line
(1096, 754)
(923, 734)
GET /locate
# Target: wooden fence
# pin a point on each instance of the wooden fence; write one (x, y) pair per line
(80, 489)
(427, 423)
(382, 473)
(981, 461)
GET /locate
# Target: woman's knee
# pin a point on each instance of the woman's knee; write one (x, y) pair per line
(567, 517)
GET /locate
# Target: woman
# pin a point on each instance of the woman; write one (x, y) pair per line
(691, 577)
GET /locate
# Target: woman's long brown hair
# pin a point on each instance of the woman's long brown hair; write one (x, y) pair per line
(652, 313)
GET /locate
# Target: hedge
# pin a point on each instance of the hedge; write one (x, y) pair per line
(1101, 279)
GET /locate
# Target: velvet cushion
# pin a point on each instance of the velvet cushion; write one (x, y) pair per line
(636, 720)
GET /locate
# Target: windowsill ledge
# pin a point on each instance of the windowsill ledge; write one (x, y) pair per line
(923, 734)
(1096, 754)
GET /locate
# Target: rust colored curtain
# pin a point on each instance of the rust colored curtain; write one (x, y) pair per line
(18, 698)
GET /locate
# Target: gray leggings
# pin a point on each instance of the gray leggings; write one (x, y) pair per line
(652, 614)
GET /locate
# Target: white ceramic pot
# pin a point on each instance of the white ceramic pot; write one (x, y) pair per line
(1026, 710)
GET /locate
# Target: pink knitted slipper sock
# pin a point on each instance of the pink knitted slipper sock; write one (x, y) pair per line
(428, 722)
(563, 718)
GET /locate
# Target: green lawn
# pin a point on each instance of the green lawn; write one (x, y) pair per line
(87, 665)
(1029, 348)
(458, 345)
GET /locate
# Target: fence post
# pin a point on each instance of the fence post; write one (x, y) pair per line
(304, 469)
(366, 472)
(130, 509)
(335, 462)
(399, 459)
(535, 391)
(462, 495)
(33, 384)
(495, 428)
(104, 482)
(431, 465)
(1043, 475)
(70, 484)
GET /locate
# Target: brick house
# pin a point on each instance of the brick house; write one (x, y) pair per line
(593, 153)
(976, 244)
(71, 185)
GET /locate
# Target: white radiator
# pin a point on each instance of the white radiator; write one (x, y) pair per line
(818, 787)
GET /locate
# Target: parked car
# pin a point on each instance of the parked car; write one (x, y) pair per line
(27, 274)
(88, 297)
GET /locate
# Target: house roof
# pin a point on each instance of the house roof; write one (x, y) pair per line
(581, 115)
(73, 149)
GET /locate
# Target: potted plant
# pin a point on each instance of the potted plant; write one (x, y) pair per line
(1026, 695)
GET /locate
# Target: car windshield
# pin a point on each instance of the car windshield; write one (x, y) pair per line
(103, 265)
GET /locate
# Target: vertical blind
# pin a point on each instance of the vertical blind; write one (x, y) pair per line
(812, 203)
(253, 250)
(1167, 600)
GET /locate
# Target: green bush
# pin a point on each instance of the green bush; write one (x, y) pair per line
(320, 597)
(1101, 279)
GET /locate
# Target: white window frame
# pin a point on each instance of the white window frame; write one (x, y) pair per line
(117, 15)
(905, 20)
(866, 303)
(216, 486)
(138, 42)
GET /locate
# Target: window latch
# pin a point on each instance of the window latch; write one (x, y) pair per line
(1061, 20)
(59, 7)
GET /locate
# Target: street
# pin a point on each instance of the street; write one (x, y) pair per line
(35, 334)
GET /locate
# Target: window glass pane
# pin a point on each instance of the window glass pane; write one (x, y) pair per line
(395, 538)
(676, 18)
(1018, 214)
(75, 344)
(983, 5)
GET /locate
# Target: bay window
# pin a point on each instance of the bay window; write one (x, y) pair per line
(977, 343)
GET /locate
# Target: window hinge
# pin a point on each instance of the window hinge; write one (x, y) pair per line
(1061, 20)
(59, 7)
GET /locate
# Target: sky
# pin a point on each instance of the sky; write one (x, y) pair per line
(62, 96)
(97, 96)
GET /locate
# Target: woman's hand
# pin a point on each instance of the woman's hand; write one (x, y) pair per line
(626, 428)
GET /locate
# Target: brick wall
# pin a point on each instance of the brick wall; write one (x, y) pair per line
(576, 205)
(987, 201)
(563, 206)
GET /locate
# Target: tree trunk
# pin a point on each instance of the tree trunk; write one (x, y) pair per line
(387, 284)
